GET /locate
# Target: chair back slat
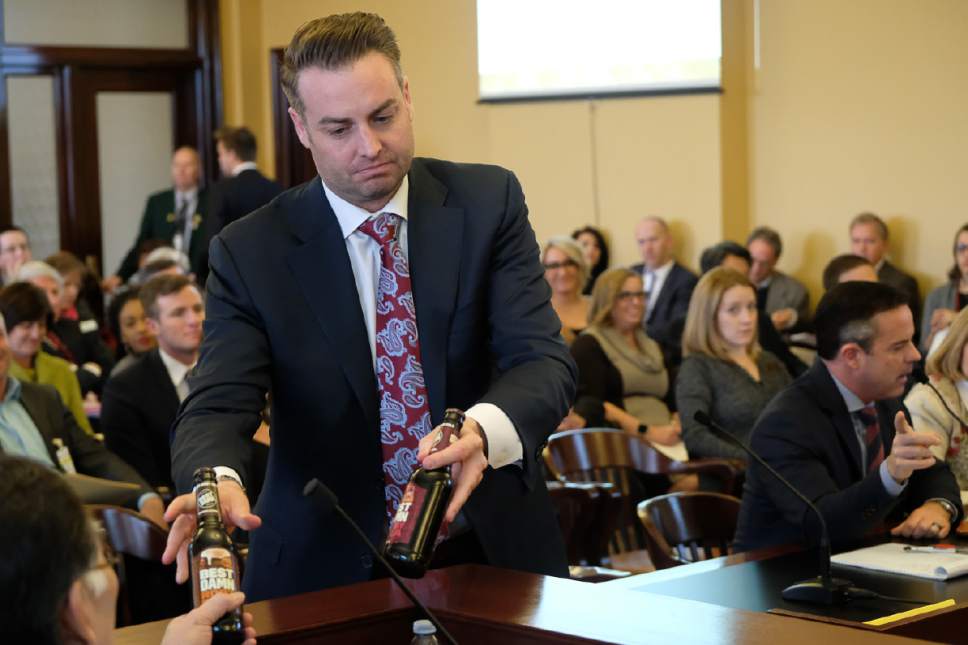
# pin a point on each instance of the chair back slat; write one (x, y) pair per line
(687, 527)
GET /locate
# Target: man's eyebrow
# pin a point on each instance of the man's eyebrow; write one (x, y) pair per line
(332, 120)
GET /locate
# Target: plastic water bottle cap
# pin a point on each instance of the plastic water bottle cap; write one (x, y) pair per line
(423, 627)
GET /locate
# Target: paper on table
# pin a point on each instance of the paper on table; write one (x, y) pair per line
(892, 558)
(676, 451)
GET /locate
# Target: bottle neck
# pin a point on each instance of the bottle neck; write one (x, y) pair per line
(207, 504)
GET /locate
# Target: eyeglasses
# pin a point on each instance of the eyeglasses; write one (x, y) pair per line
(961, 248)
(567, 264)
(628, 295)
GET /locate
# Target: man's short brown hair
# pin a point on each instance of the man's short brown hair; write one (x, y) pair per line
(158, 286)
(240, 141)
(870, 218)
(334, 42)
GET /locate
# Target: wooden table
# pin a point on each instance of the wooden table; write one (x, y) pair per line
(753, 582)
(487, 605)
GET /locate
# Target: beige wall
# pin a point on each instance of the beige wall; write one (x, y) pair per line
(858, 106)
(608, 162)
(854, 106)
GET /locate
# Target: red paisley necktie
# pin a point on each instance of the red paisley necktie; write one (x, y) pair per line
(404, 408)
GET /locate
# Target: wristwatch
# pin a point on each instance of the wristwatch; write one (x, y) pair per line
(948, 506)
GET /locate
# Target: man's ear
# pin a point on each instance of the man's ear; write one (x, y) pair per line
(851, 354)
(152, 326)
(300, 125)
(75, 619)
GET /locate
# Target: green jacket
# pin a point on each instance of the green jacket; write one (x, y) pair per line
(158, 223)
(51, 370)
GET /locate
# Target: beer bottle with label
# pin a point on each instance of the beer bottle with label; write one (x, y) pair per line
(419, 517)
(214, 562)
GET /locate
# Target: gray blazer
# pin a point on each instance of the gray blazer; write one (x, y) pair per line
(942, 297)
(785, 291)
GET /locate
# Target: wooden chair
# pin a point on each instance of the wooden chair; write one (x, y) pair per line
(588, 513)
(147, 588)
(688, 527)
(636, 469)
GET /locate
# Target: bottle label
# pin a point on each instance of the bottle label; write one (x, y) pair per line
(405, 519)
(216, 573)
(206, 500)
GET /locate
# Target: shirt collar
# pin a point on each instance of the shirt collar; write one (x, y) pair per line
(350, 216)
(13, 390)
(188, 195)
(880, 263)
(176, 369)
(854, 404)
(242, 167)
(663, 270)
(765, 282)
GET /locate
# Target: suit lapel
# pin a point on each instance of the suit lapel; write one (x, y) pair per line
(321, 267)
(833, 403)
(163, 384)
(434, 238)
(667, 286)
(34, 410)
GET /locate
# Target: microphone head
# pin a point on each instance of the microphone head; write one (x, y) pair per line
(701, 417)
(324, 499)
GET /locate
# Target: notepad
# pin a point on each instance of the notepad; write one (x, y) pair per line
(892, 558)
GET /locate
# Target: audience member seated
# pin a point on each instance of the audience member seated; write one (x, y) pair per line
(868, 239)
(668, 286)
(731, 255)
(622, 380)
(943, 303)
(14, 252)
(164, 260)
(847, 268)
(939, 406)
(27, 310)
(566, 273)
(140, 403)
(595, 249)
(781, 296)
(58, 583)
(126, 317)
(724, 371)
(840, 435)
(80, 346)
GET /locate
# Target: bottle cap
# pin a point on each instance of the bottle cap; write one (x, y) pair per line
(423, 627)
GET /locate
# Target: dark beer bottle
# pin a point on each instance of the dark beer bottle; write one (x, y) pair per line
(414, 529)
(214, 562)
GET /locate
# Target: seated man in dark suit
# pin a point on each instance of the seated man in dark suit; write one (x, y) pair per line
(140, 403)
(841, 436)
(668, 286)
(35, 424)
(176, 216)
(868, 239)
(243, 188)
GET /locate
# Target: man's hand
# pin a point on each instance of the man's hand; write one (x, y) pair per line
(110, 283)
(783, 318)
(467, 460)
(181, 512)
(930, 520)
(573, 421)
(154, 510)
(910, 451)
(195, 627)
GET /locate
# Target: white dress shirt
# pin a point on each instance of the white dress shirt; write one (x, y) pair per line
(653, 285)
(504, 445)
(177, 371)
(242, 167)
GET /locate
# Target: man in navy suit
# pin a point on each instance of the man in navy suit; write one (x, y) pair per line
(243, 188)
(841, 435)
(293, 309)
(668, 286)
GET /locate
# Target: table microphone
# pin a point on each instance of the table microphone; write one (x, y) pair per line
(326, 502)
(822, 590)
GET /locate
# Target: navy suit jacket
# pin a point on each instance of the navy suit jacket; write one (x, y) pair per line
(283, 314)
(664, 322)
(138, 407)
(235, 197)
(806, 434)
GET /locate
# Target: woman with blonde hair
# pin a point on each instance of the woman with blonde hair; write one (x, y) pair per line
(622, 380)
(566, 273)
(938, 406)
(724, 371)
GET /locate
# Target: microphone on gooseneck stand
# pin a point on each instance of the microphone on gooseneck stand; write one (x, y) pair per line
(824, 589)
(326, 502)
(921, 377)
